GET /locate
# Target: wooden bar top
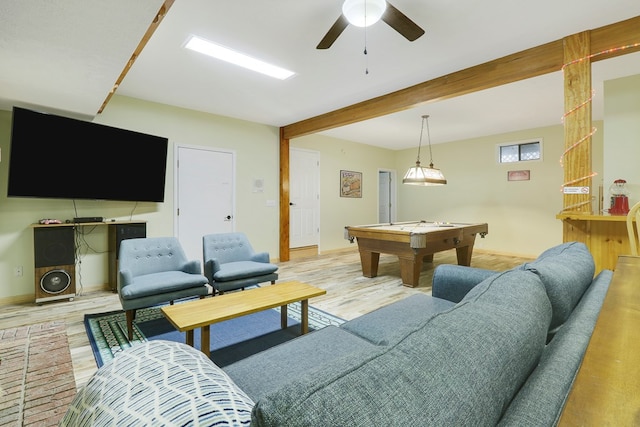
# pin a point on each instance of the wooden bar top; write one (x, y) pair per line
(606, 391)
(592, 217)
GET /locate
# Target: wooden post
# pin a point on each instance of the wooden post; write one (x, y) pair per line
(284, 197)
(577, 123)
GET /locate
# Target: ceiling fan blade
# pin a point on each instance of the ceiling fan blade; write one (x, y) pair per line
(399, 22)
(336, 29)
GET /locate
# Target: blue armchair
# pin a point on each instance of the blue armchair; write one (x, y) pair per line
(155, 270)
(231, 263)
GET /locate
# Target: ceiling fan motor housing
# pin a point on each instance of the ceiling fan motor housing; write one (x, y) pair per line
(363, 13)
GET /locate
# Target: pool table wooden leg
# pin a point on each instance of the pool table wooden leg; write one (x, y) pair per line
(464, 255)
(410, 269)
(369, 261)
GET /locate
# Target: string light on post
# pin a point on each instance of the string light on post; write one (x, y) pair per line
(593, 129)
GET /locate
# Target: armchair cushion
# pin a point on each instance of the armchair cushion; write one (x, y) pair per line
(164, 282)
(243, 269)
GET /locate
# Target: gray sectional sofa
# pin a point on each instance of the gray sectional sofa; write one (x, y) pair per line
(487, 348)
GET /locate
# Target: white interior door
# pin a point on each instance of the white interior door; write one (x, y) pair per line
(304, 197)
(205, 195)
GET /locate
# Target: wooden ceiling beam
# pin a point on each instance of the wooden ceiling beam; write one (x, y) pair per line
(145, 38)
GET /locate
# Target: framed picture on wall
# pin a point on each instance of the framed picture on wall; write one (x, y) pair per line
(523, 175)
(350, 184)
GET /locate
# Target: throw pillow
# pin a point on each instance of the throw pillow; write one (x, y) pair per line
(160, 383)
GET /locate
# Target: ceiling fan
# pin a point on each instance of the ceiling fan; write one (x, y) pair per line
(364, 13)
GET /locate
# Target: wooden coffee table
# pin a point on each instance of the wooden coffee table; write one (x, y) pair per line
(204, 312)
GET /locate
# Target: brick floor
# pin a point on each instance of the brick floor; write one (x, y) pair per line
(36, 375)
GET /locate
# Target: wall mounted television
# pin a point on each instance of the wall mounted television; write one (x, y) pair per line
(59, 157)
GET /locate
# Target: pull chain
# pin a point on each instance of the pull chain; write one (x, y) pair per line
(366, 58)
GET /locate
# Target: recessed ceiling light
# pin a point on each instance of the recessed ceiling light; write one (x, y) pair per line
(220, 52)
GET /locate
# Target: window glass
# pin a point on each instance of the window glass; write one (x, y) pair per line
(530, 151)
(508, 153)
(520, 152)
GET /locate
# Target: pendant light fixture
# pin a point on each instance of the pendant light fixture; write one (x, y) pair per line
(420, 175)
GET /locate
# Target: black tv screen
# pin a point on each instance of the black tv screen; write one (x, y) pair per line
(59, 157)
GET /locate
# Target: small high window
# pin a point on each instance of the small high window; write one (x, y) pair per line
(520, 152)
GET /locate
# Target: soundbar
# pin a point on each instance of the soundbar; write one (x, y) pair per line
(84, 219)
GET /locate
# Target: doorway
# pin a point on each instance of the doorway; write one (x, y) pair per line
(386, 196)
(205, 195)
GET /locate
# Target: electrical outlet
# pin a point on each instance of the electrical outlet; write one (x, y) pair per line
(18, 271)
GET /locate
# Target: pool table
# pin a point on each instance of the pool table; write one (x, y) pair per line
(413, 242)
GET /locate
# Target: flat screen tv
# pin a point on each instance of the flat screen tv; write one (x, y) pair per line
(59, 157)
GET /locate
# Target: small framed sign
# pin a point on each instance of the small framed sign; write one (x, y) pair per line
(350, 184)
(523, 175)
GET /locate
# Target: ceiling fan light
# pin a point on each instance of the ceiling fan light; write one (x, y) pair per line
(363, 13)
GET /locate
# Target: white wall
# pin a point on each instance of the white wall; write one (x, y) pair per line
(622, 134)
(520, 214)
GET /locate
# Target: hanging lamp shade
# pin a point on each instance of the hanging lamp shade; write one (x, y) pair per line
(420, 175)
(363, 13)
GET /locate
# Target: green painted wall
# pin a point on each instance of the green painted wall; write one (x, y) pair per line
(521, 215)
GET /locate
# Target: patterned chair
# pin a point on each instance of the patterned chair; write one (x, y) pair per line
(230, 262)
(155, 270)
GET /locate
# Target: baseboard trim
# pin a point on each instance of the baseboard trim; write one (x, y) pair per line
(31, 298)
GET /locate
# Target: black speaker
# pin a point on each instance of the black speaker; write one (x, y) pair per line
(54, 260)
(53, 246)
(118, 233)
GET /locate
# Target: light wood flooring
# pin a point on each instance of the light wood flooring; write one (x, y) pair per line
(349, 294)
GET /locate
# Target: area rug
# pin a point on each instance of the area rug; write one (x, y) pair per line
(231, 340)
(36, 375)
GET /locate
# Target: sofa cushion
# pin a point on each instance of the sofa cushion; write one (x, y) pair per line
(566, 271)
(462, 367)
(389, 324)
(539, 402)
(326, 349)
(159, 383)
